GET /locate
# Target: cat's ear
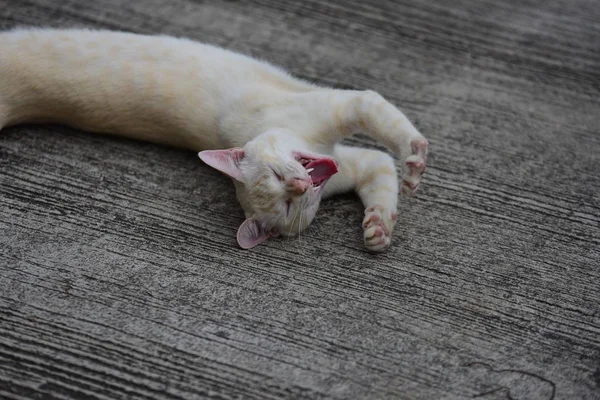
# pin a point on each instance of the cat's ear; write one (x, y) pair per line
(251, 233)
(226, 161)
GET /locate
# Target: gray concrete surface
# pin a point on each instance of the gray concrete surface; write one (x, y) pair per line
(120, 276)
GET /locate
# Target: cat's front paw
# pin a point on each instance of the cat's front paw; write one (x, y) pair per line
(415, 165)
(378, 225)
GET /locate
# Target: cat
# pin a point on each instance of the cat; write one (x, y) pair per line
(276, 136)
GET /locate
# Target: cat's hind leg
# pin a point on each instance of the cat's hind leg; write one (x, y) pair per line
(372, 174)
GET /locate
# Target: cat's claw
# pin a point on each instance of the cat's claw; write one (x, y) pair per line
(416, 163)
(378, 225)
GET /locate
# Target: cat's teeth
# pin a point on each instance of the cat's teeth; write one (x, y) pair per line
(310, 170)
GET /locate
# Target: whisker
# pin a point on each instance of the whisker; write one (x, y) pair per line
(293, 220)
(300, 223)
(305, 208)
(299, 220)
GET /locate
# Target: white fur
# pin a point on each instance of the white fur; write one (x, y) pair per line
(197, 96)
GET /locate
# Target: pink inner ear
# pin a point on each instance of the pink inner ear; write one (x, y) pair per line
(226, 161)
(251, 233)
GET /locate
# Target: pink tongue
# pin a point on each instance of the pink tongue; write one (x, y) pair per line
(324, 168)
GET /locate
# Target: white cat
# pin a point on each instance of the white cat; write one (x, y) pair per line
(275, 135)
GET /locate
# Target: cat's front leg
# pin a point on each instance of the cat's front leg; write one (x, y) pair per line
(372, 174)
(383, 121)
(348, 112)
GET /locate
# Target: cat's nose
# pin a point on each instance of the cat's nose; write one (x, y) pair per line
(298, 186)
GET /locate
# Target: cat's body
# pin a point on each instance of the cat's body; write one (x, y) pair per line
(276, 136)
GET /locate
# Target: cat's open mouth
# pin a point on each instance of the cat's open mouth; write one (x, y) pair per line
(320, 169)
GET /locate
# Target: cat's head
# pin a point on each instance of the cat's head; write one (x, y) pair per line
(280, 190)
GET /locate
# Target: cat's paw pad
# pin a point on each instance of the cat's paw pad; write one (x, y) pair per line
(416, 163)
(378, 225)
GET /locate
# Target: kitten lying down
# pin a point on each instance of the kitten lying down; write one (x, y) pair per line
(276, 136)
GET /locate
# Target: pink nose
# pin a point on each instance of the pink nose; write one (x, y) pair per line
(298, 186)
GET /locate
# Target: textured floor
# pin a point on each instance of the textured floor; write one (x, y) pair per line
(119, 272)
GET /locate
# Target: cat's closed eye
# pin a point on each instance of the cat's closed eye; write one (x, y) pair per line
(278, 176)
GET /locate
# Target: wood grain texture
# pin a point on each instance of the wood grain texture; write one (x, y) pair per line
(120, 276)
